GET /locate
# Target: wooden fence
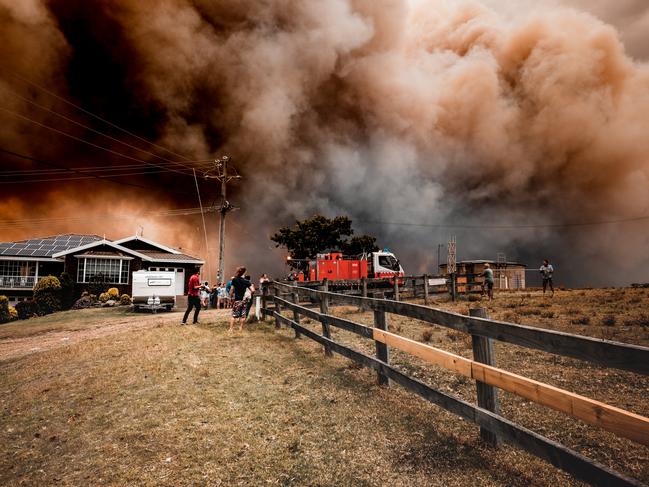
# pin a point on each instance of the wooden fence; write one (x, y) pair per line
(493, 427)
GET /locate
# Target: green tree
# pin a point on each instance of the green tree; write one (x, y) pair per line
(359, 245)
(307, 238)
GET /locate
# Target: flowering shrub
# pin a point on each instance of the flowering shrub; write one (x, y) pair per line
(47, 294)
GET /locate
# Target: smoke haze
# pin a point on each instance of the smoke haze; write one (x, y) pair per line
(469, 113)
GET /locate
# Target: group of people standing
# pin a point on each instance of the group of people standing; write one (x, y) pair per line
(546, 271)
(237, 293)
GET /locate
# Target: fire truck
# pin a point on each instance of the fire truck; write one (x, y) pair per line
(334, 266)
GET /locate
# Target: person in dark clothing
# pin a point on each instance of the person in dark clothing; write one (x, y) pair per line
(193, 296)
(237, 295)
(546, 274)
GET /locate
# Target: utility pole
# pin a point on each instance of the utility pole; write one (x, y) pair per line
(220, 173)
(451, 265)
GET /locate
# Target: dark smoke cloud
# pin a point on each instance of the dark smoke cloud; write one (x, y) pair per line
(471, 112)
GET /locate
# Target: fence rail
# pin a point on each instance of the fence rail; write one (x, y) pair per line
(494, 428)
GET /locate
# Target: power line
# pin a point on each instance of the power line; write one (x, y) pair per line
(64, 100)
(101, 178)
(507, 227)
(21, 223)
(68, 119)
(79, 139)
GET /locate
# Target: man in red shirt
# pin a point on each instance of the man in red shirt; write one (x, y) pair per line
(193, 298)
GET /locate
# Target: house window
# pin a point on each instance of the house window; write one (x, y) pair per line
(115, 271)
(17, 268)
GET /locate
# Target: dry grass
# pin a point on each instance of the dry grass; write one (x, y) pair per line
(167, 405)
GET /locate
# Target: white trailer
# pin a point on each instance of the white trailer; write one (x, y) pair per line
(154, 290)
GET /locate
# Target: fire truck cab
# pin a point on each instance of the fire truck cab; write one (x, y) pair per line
(334, 266)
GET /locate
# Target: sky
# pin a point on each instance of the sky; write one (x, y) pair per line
(519, 127)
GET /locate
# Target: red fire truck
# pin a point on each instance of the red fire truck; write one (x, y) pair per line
(334, 266)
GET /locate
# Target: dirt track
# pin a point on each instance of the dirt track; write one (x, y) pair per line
(12, 348)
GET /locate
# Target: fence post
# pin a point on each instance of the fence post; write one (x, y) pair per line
(324, 309)
(363, 292)
(264, 299)
(453, 288)
(425, 288)
(296, 315)
(396, 288)
(483, 351)
(278, 310)
(382, 353)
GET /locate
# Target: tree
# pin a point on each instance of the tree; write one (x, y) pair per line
(307, 238)
(360, 245)
(67, 290)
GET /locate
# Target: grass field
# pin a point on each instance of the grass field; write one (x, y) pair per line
(105, 397)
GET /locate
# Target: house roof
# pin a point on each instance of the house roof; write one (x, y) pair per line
(47, 246)
(166, 257)
(58, 246)
(124, 240)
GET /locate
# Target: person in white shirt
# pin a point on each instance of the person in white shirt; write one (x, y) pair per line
(546, 273)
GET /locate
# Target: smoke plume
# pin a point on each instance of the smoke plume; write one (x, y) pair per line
(479, 114)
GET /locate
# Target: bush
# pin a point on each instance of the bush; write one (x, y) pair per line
(427, 335)
(13, 313)
(103, 297)
(83, 302)
(98, 285)
(4, 309)
(125, 300)
(608, 320)
(113, 293)
(84, 294)
(584, 320)
(26, 309)
(47, 294)
(67, 290)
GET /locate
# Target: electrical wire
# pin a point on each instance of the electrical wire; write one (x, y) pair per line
(79, 139)
(100, 177)
(70, 120)
(22, 223)
(87, 112)
(507, 227)
(200, 202)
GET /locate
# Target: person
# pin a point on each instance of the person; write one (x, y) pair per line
(249, 295)
(488, 285)
(237, 293)
(193, 298)
(546, 273)
(222, 297)
(205, 294)
(262, 279)
(228, 288)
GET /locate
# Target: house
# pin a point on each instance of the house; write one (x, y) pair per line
(24, 262)
(507, 275)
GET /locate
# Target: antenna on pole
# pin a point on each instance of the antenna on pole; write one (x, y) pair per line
(220, 173)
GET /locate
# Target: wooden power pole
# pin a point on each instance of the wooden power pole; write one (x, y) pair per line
(220, 173)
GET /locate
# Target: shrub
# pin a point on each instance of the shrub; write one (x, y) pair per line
(83, 302)
(608, 320)
(547, 314)
(427, 335)
(97, 285)
(26, 309)
(103, 297)
(4, 309)
(47, 294)
(125, 300)
(13, 313)
(113, 293)
(584, 320)
(67, 290)
(84, 294)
